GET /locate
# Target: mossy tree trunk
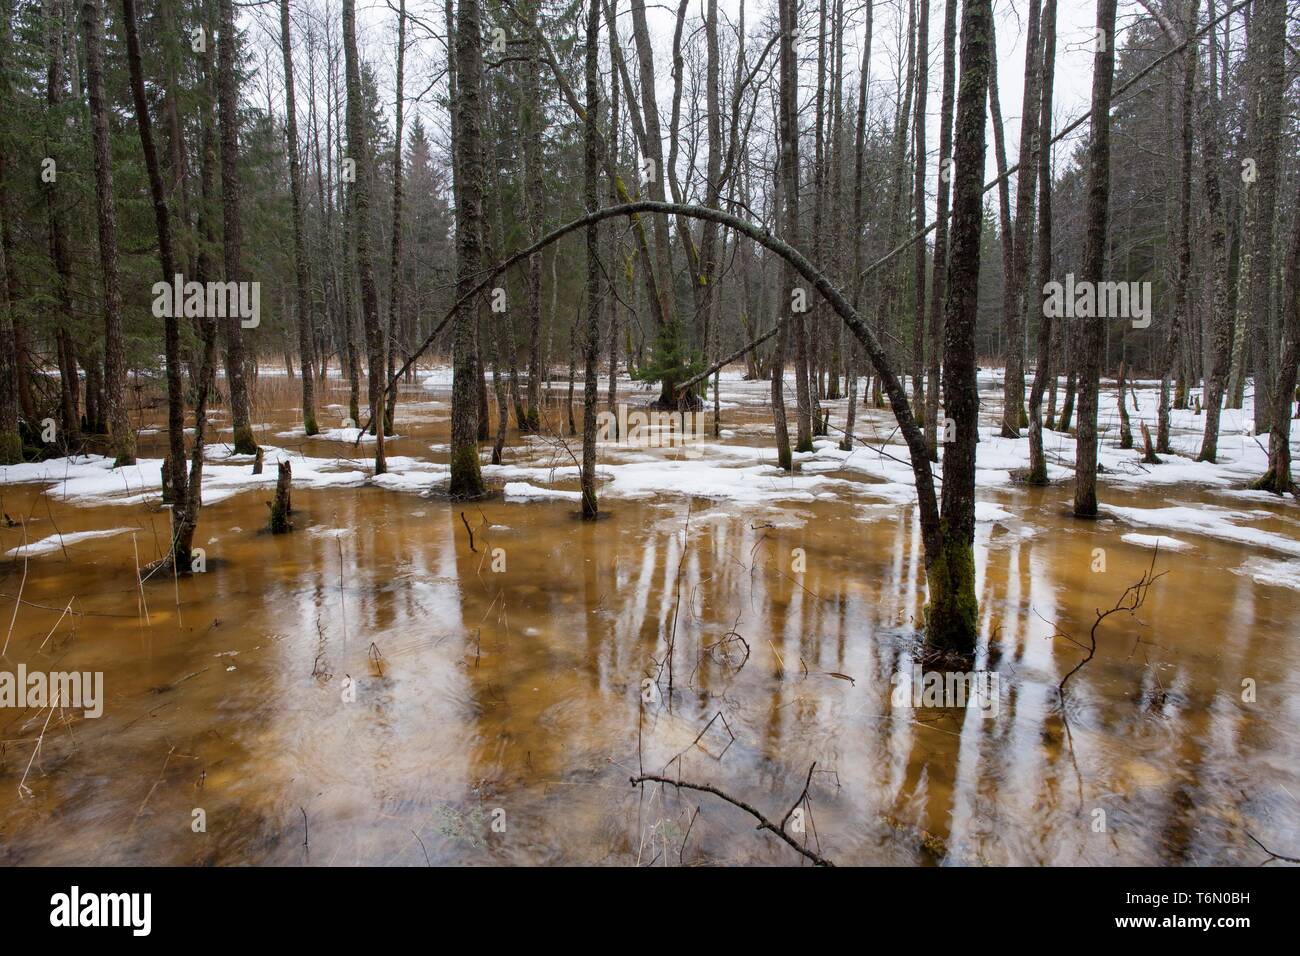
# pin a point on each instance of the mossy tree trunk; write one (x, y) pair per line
(466, 474)
(952, 616)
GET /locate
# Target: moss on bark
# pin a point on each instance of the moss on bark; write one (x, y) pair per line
(466, 475)
(952, 616)
(245, 443)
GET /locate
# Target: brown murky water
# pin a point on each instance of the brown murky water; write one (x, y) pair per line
(498, 714)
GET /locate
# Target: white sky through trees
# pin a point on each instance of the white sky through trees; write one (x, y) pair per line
(426, 57)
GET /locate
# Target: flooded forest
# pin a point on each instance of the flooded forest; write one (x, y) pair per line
(695, 434)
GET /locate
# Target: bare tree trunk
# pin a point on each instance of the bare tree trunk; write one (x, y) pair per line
(12, 356)
(1278, 477)
(940, 269)
(395, 300)
(1181, 318)
(232, 236)
(1006, 225)
(652, 151)
(789, 188)
(888, 311)
(591, 196)
(809, 366)
(1264, 140)
(115, 411)
(573, 375)
(1070, 346)
(841, 254)
(303, 290)
(708, 266)
(359, 151)
(1125, 428)
(167, 260)
(1220, 316)
(532, 118)
(1013, 387)
(1043, 369)
(918, 190)
(859, 181)
(188, 520)
(56, 205)
(615, 141)
(11, 442)
(1092, 335)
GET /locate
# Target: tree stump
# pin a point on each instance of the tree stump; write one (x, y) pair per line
(1148, 453)
(281, 508)
(257, 462)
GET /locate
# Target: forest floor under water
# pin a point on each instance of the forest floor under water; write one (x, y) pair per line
(406, 680)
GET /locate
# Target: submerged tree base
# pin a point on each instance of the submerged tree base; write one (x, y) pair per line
(466, 474)
(952, 616)
(1269, 482)
(244, 442)
(1036, 475)
(690, 402)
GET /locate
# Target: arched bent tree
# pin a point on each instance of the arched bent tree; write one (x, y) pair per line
(948, 540)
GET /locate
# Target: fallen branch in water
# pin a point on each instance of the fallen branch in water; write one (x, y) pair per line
(763, 822)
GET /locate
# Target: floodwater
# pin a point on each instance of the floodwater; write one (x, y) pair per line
(369, 690)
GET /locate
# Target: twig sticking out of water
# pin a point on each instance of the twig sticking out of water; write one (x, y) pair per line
(56, 624)
(1272, 856)
(700, 736)
(139, 583)
(763, 822)
(469, 531)
(23, 789)
(1131, 600)
(422, 847)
